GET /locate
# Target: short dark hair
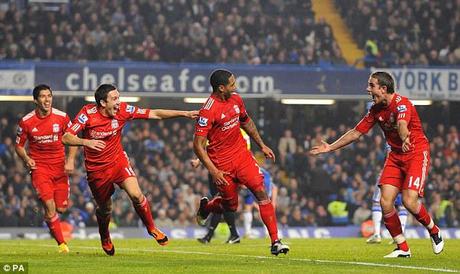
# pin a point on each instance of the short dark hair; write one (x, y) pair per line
(37, 89)
(385, 79)
(101, 93)
(219, 77)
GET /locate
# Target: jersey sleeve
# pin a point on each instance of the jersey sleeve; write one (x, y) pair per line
(366, 123)
(21, 134)
(67, 123)
(244, 117)
(204, 123)
(403, 109)
(130, 112)
(79, 123)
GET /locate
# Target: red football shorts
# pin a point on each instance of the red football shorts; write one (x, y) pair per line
(51, 183)
(102, 182)
(243, 170)
(407, 171)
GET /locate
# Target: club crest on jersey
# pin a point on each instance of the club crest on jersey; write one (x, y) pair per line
(236, 108)
(55, 128)
(82, 119)
(129, 109)
(203, 121)
(114, 123)
(401, 108)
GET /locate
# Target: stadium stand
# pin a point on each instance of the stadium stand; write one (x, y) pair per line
(250, 32)
(400, 33)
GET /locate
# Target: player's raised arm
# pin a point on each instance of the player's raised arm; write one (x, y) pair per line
(349, 137)
(171, 113)
(73, 140)
(250, 127)
(199, 147)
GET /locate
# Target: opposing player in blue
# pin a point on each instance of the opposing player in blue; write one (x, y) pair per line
(250, 202)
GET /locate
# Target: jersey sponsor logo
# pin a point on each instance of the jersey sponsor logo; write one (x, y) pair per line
(236, 108)
(202, 121)
(102, 134)
(92, 110)
(401, 108)
(130, 109)
(19, 130)
(55, 128)
(230, 124)
(141, 111)
(82, 119)
(34, 129)
(43, 139)
(115, 123)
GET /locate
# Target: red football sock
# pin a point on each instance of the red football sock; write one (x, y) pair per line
(103, 222)
(424, 218)
(215, 205)
(145, 213)
(267, 213)
(393, 224)
(55, 228)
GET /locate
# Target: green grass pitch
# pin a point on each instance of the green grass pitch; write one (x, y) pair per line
(351, 255)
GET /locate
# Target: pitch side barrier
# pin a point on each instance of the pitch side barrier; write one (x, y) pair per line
(184, 80)
(197, 232)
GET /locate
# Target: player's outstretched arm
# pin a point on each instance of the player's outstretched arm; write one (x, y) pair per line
(252, 131)
(22, 153)
(73, 140)
(199, 147)
(349, 137)
(171, 113)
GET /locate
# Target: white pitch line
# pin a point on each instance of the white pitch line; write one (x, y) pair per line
(266, 258)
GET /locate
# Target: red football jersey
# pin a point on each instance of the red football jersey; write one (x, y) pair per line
(219, 121)
(108, 129)
(400, 108)
(44, 135)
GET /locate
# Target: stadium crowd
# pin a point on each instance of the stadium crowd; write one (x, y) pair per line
(400, 33)
(312, 191)
(217, 31)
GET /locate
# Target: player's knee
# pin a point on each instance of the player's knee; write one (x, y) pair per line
(410, 203)
(137, 199)
(104, 210)
(387, 204)
(261, 195)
